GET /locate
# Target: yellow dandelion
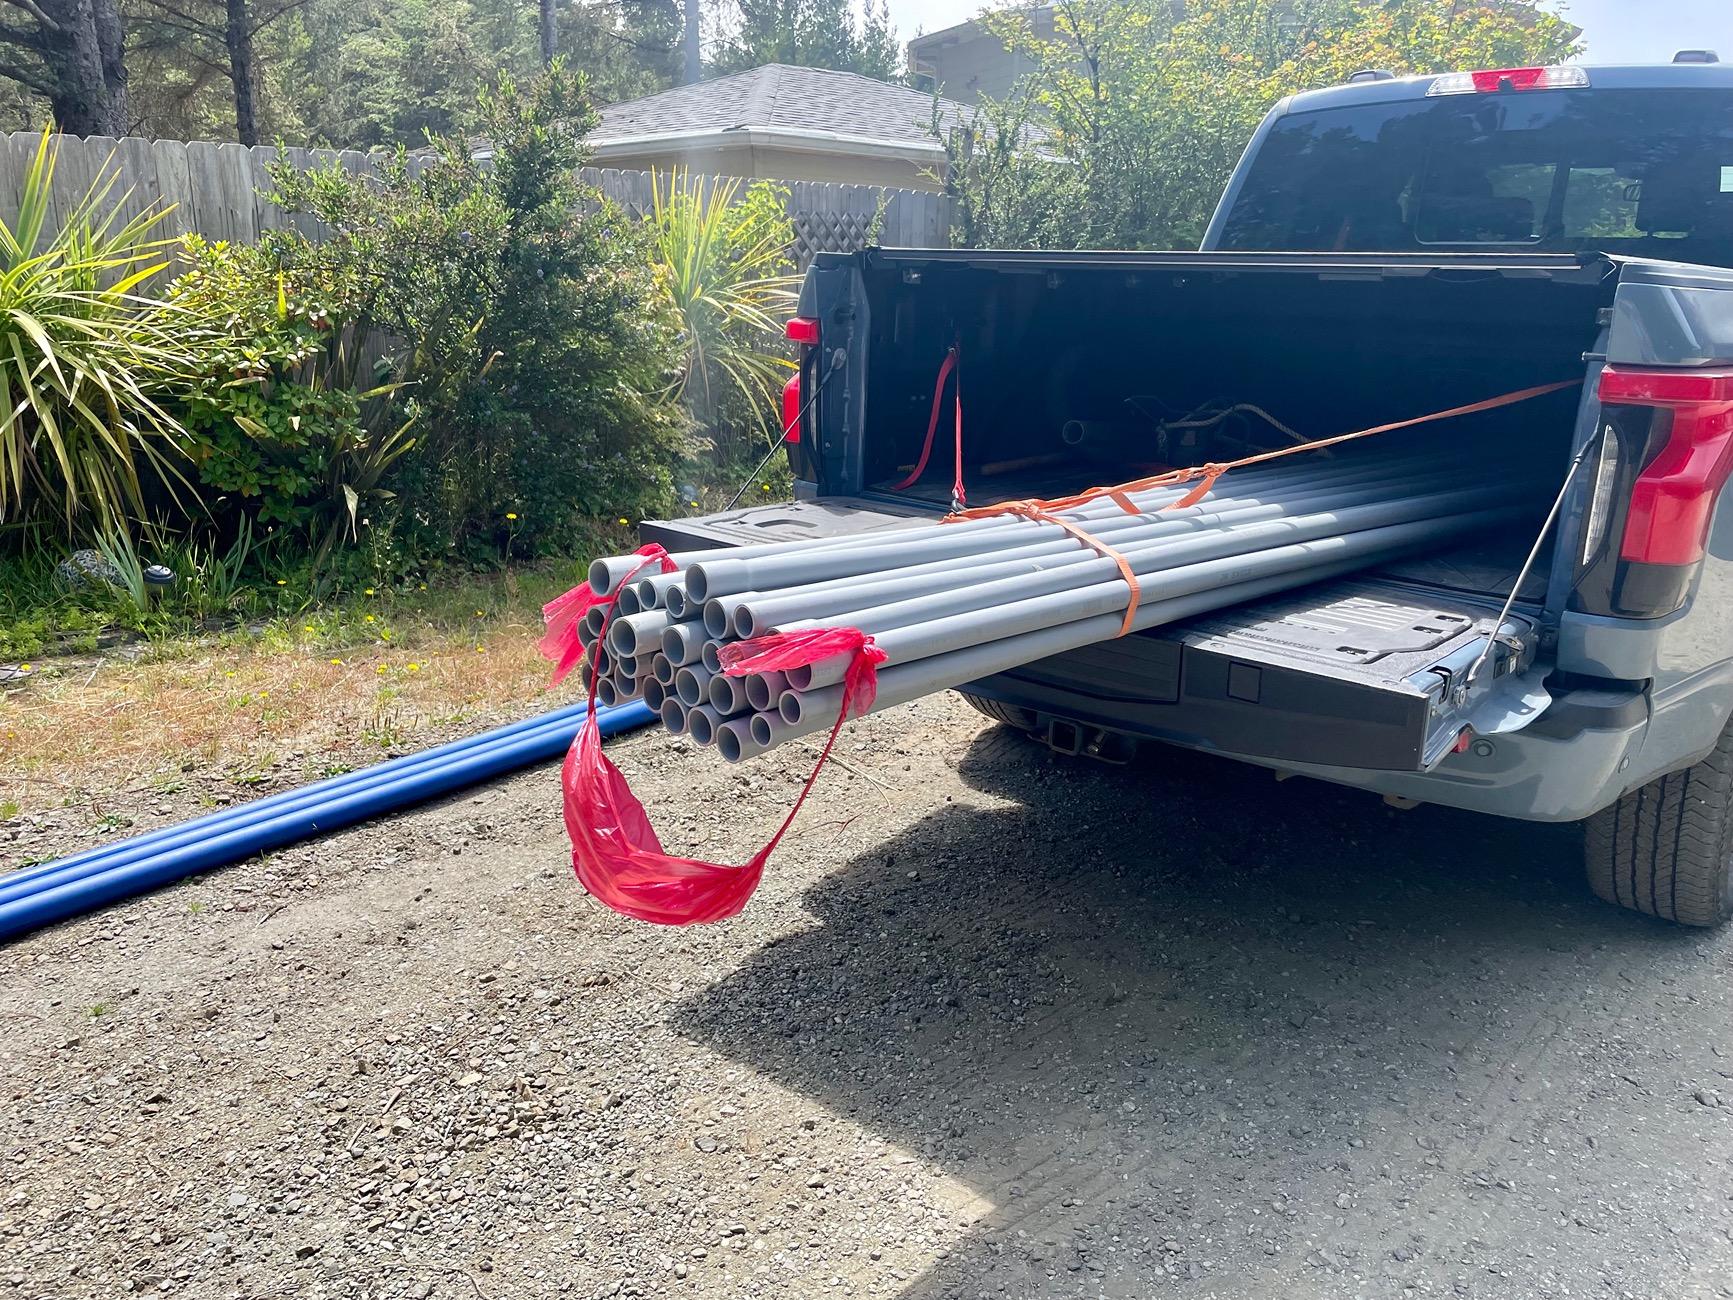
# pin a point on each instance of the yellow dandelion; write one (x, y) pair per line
(370, 618)
(414, 668)
(379, 668)
(627, 521)
(337, 662)
(509, 515)
(307, 628)
(478, 613)
(23, 668)
(481, 649)
(264, 695)
(694, 503)
(369, 591)
(385, 636)
(282, 582)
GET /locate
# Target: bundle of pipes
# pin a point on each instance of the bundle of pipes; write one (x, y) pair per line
(949, 603)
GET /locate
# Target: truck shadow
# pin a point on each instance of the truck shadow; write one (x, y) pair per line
(1181, 1021)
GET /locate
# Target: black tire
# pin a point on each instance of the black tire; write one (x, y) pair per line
(1667, 848)
(1006, 714)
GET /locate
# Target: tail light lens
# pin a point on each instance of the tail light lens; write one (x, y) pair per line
(791, 408)
(1674, 496)
(1666, 453)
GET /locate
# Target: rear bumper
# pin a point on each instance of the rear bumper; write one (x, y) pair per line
(1583, 753)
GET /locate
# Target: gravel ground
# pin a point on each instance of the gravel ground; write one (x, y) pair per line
(996, 1025)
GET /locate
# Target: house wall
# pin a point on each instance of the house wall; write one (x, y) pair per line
(965, 62)
(781, 164)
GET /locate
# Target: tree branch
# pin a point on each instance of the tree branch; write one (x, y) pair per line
(34, 80)
(29, 40)
(35, 11)
(284, 12)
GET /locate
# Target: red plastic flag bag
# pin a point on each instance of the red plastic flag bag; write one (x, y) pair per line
(615, 852)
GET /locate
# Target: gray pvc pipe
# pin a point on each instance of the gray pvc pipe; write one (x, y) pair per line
(735, 741)
(605, 572)
(673, 714)
(727, 695)
(1018, 617)
(654, 694)
(662, 668)
(674, 599)
(652, 589)
(637, 633)
(754, 613)
(692, 685)
(797, 564)
(1153, 561)
(711, 657)
(716, 620)
(764, 689)
(682, 643)
(771, 728)
(804, 714)
(594, 619)
(701, 724)
(626, 602)
(605, 693)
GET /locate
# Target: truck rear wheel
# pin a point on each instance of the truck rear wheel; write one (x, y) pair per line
(1006, 714)
(1667, 848)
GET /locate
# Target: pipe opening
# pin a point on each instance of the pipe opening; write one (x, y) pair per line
(715, 618)
(673, 714)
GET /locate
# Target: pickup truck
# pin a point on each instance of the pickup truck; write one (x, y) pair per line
(1386, 248)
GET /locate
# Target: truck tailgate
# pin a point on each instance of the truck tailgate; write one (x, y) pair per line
(1367, 672)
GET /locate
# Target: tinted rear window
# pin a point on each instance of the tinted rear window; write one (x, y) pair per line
(1643, 172)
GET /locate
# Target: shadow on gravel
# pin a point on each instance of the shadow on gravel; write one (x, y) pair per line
(1171, 1021)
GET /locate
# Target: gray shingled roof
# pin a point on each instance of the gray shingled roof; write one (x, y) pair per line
(781, 97)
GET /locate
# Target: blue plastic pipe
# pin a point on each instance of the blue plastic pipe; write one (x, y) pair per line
(57, 901)
(21, 884)
(136, 846)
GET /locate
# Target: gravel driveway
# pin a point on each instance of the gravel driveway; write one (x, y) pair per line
(997, 1025)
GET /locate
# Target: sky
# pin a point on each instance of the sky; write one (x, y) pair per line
(1616, 31)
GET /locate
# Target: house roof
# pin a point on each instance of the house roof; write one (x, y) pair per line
(809, 108)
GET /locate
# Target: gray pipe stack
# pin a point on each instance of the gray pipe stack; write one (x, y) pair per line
(950, 603)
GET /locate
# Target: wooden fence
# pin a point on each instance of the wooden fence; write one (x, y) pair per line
(216, 190)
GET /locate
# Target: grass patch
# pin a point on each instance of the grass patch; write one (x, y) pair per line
(297, 695)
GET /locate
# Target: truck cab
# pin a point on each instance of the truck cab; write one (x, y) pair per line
(1387, 248)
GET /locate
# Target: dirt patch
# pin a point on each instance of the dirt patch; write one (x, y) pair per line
(996, 1025)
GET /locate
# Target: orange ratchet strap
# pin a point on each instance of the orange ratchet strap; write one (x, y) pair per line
(1045, 510)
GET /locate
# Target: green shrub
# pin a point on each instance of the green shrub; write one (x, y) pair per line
(281, 427)
(535, 354)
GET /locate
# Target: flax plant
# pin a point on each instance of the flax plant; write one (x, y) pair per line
(722, 255)
(85, 354)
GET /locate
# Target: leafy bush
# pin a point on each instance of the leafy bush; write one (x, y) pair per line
(280, 421)
(85, 356)
(535, 351)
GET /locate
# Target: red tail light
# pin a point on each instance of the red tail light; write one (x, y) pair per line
(791, 408)
(1674, 496)
(801, 329)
